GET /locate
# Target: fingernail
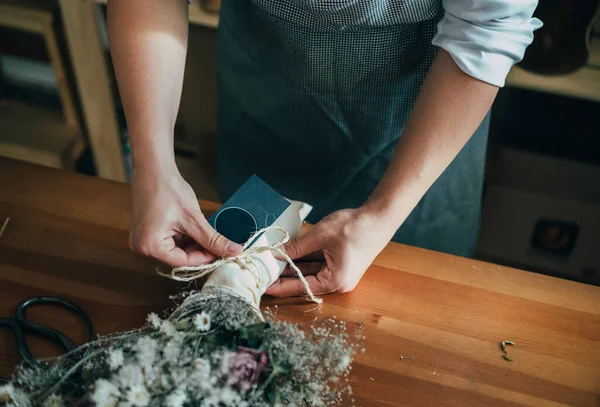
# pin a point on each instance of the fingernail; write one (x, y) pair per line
(234, 247)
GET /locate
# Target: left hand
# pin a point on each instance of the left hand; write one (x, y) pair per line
(335, 253)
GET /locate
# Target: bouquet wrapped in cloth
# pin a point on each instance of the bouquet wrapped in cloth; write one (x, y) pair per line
(216, 349)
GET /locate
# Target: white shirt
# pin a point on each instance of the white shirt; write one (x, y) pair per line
(487, 37)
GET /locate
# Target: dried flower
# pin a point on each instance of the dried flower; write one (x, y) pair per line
(186, 361)
(202, 321)
(6, 391)
(154, 320)
(54, 400)
(203, 366)
(13, 397)
(130, 376)
(105, 393)
(245, 368)
(228, 397)
(168, 328)
(211, 402)
(138, 396)
(115, 358)
(176, 399)
(146, 350)
(172, 350)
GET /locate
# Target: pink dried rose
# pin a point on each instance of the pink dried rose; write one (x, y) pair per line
(246, 367)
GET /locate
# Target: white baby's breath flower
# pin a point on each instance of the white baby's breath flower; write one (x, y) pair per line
(115, 358)
(164, 381)
(6, 392)
(202, 365)
(14, 397)
(197, 383)
(130, 376)
(210, 402)
(229, 397)
(345, 362)
(202, 321)
(168, 328)
(105, 394)
(154, 320)
(178, 376)
(146, 350)
(54, 400)
(226, 360)
(138, 396)
(176, 399)
(172, 350)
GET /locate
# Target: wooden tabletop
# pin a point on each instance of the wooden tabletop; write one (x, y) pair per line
(67, 237)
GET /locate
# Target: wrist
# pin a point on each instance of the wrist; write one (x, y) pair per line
(382, 217)
(156, 168)
(153, 159)
(384, 213)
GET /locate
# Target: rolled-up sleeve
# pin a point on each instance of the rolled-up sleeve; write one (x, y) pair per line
(487, 37)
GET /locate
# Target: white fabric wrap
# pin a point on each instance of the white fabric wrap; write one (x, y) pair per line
(487, 37)
(264, 265)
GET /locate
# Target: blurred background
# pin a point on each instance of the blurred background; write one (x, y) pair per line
(59, 107)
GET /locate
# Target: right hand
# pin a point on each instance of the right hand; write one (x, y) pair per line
(167, 223)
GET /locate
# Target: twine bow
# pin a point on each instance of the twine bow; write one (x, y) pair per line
(190, 273)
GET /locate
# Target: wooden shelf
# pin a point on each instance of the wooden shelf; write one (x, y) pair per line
(202, 17)
(38, 135)
(584, 83)
(198, 15)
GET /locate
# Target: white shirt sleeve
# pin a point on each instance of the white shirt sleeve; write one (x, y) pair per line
(487, 37)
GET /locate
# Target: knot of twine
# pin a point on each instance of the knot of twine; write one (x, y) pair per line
(243, 260)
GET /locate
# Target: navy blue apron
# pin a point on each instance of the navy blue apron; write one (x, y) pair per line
(314, 96)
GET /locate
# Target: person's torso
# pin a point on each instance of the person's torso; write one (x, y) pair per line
(314, 94)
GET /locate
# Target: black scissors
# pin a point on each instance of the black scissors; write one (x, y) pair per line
(19, 325)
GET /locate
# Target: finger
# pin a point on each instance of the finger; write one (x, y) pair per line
(310, 242)
(307, 269)
(174, 256)
(317, 256)
(200, 230)
(293, 287)
(197, 255)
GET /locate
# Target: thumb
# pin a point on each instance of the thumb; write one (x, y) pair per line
(307, 243)
(203, 233)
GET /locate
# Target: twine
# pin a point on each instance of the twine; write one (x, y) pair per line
(244, 260)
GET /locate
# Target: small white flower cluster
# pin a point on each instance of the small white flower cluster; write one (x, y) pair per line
(13, 397)
(167, 368)
(206, 356)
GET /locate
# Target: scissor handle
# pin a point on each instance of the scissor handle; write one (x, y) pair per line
(15, 326)
(57, 336)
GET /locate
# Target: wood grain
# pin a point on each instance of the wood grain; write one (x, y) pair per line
(68, 237)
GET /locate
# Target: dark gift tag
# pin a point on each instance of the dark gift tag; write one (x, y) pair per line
(252, 207)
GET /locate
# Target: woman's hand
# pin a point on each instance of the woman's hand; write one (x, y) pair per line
(335, 253)
(167, 223)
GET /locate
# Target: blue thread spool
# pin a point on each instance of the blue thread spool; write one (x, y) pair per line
(236, 224)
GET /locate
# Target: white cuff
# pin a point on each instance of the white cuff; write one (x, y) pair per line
(487, 37)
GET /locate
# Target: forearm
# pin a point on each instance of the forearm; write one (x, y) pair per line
(148, 41)
(450, 107)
